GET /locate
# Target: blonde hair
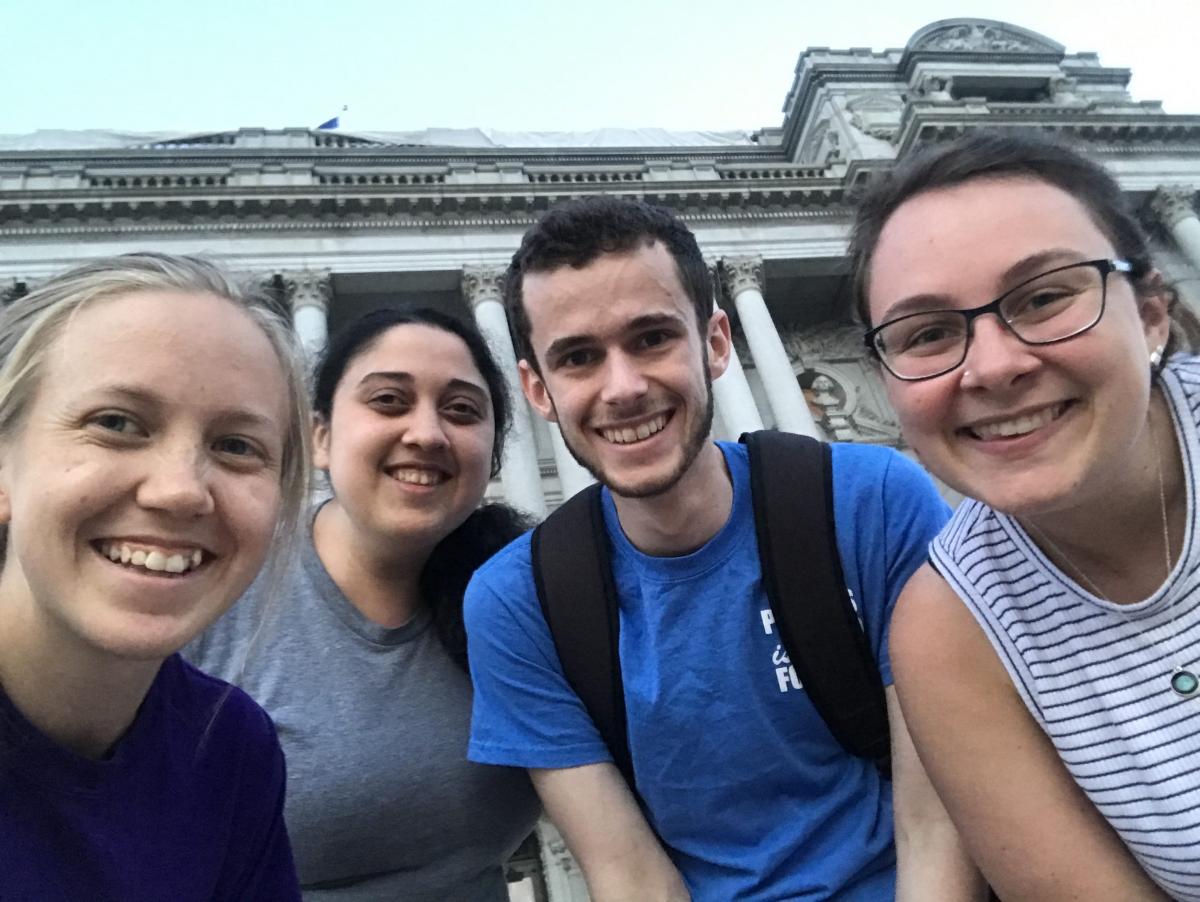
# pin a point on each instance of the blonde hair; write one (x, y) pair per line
(30, 326)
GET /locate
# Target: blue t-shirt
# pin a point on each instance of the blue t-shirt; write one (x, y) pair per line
(188, 806)
(752, 795)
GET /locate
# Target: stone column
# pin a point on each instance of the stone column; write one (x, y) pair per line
(1173, 207)
(743, 281)
(308, 294)
(734, 400)
(519, 473)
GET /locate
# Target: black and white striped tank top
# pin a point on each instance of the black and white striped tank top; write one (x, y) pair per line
(1096, 675)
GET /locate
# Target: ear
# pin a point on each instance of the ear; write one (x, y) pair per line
(536, 392)
(320, 441)
(719, 339)
(1154, 308)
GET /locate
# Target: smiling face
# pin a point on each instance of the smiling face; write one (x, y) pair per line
(1027, 429)
(142, 488)
(408, 445)
(623, 370)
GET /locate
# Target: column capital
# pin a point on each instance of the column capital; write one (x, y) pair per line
(739, 274)
(483, 283)
(1173, 204)
(308, 288)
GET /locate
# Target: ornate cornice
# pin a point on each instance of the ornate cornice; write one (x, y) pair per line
(1172, 205)
(739, 274)
(388, 214)
(308, 288)
(482, 283)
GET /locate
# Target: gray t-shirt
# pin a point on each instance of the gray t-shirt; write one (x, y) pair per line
(381, 801)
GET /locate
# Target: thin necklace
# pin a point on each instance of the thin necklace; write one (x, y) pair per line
(1184, 682)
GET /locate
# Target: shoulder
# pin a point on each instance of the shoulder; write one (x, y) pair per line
(973, 524)
(513, 561)
(872, 468)
(506, 576)
(879, 489)
(220, 714)
(934, 634)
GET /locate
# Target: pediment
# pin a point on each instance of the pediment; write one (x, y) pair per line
(981, 36)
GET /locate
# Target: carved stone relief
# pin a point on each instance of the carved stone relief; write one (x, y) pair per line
(979, 37)
(1172, 205)
(877, 115)
(483, 283)
(842, 388)
(308, 288)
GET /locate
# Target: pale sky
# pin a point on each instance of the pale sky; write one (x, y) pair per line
(206, 65)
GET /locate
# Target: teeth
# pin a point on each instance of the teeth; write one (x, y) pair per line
(417, 476)
(629, 434)
(1019, 425)
(154, 560)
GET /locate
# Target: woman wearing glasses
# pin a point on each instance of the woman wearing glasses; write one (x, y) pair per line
(1047, 657)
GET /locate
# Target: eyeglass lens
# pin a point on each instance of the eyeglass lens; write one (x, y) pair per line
(1048, 308)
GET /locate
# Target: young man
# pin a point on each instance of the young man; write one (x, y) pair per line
(744, 793)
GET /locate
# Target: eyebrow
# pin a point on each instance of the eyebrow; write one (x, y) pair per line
(141, 397)
(1027, 267)
(401, 376)
(568, 343)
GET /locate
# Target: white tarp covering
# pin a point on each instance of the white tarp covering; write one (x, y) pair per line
(98, 139)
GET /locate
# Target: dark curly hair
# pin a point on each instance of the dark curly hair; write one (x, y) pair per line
(579, 231)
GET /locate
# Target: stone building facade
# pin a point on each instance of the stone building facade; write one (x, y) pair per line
(338, 223)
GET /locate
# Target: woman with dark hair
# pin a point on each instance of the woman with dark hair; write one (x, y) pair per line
(1048, 657)
(362, 664)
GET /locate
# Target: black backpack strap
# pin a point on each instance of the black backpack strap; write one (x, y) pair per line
(572, 571)
(791, 480)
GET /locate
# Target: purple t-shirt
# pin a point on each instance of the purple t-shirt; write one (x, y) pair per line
(188, 806)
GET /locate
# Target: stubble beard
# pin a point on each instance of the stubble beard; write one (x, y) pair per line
(694, 443)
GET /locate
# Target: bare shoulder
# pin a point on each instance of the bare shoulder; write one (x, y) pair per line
(932, 628)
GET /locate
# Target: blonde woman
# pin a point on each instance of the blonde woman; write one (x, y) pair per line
(153, 449)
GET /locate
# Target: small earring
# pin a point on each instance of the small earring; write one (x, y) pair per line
(1156, 355)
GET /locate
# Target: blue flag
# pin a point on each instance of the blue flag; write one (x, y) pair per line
(329, 123)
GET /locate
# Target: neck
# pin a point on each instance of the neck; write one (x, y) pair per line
(1115, 546)
(687, 515)
(78, 696)
(382, 582)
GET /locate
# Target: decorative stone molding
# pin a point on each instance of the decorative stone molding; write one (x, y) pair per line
(739, 274)
(827, 342)
(980, 36)
(1173, 204)
(934, 87)
(482, 283)
(877, 115)
(308, 288)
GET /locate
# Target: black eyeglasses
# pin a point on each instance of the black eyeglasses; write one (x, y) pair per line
(1050, 307)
